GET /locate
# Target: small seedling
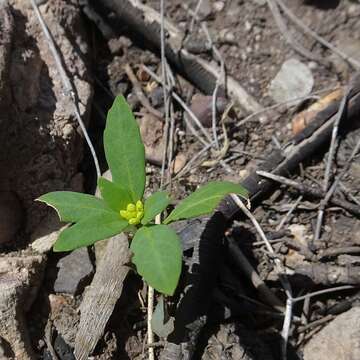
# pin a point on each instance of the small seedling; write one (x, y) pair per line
(156, 248)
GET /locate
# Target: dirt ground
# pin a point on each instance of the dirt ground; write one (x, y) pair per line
(44, 150)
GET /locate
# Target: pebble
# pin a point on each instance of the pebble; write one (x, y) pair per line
(74, 272)
(260, 2)
(218, 6)
(293, 80)
(201, 106)
(205, 9)
(179, 162)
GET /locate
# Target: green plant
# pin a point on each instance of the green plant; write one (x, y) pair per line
(156, 248)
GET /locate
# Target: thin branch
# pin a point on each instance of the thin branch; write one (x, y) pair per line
(325, 291)
(286, 327)
(311, 191)
(332, 189)
(221, 79)
(139, 92)
(319, 322)
(286, 218)
(165, 88)
(182, 104)
(329, 164)
(68, 88)
(257, 282)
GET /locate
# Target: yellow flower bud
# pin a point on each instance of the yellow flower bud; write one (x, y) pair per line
(139, 205)
(133, 213)
(131, 207)
(124, 214)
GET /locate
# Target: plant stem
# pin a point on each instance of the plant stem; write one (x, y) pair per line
(150, 337)
(150, 307)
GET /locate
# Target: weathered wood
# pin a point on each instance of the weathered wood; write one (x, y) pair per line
(102, 295)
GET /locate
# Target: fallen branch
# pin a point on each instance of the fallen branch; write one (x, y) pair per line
(144, 22)
(311, 191)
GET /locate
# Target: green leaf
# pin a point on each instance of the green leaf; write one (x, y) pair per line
(154, 205)
(116, 197)
(204, 200)
(161, 324)
(73, 206)
(157, 256)
(124, 149)
(86, 232)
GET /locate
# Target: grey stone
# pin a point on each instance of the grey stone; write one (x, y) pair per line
(205, 9)
(260, 2)
(74, 272)
(339, 340)
(294, 80)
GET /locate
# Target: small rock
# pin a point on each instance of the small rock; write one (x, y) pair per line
(260, 2)
(205, 9)
(74, 272)
(11, 216)
(64, 316)
(248, 26)
(227, 36)
(46, 234)
(339, 340)
(201, 106)
(119, 45)
(300, 233)
(156, 96)
(353, 10)
(152, 134)
(179, 162)
(218, 6)
(292, 81)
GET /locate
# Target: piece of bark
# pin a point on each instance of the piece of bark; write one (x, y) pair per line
(327, 275)
(101, 296)
(144, 21)
(305, 117)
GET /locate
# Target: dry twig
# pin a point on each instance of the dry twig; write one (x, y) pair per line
(333, 143)
(311, 191)
(139, 93)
